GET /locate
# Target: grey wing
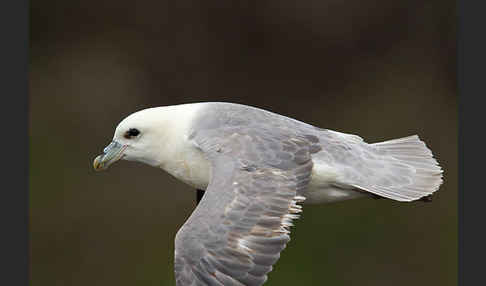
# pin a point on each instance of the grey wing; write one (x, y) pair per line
(239, 228)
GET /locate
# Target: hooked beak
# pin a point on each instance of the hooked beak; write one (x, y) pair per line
(111, 154)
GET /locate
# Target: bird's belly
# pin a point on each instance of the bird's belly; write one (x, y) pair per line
(194, 170)
(322, 187)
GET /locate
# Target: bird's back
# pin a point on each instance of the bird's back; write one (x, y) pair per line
(346, 166)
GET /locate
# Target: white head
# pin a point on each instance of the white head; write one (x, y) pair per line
(142, 136)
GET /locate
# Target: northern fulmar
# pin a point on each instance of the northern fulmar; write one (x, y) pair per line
(252, 169)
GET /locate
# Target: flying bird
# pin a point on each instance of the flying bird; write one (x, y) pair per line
(252, 170)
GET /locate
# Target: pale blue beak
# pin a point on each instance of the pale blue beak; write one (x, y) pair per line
(111, 154)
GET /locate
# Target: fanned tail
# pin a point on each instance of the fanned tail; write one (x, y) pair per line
(413, 152)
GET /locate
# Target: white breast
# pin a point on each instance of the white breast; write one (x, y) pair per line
(191, 167)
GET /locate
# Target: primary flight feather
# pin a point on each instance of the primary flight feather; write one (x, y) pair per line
(254, 167)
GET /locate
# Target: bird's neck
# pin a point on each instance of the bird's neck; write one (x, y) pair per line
(179, 157)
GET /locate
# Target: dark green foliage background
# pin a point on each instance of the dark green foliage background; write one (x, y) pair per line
(380, 69)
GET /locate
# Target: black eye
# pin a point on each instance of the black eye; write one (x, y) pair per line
(132, 132)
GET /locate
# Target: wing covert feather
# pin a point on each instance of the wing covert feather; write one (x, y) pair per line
(240, 226)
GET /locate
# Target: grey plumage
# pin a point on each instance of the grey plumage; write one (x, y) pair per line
(240, 226)
(261, 166)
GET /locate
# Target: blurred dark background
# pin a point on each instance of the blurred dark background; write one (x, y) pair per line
(380, 69)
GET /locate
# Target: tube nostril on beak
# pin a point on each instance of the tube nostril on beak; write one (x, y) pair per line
(112, 153)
